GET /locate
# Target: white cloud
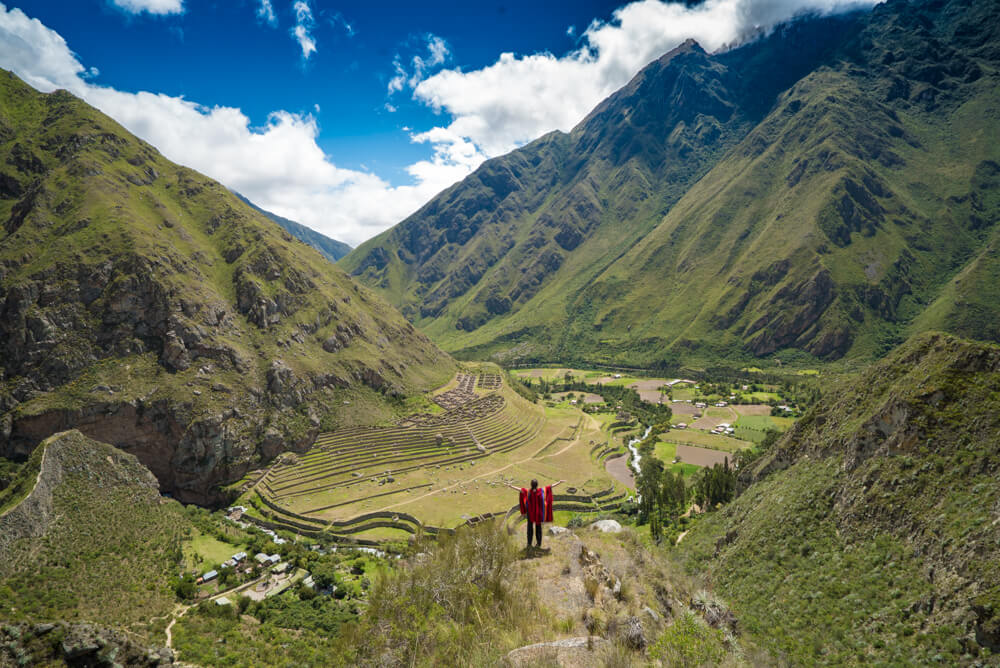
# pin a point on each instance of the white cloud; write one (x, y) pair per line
(337, 19)
(437, 53)
(265, 12)
(304, 25)
(519, 98)
(280, 165)
(159, 7)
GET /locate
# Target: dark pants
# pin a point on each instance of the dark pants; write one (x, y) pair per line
(538, 532)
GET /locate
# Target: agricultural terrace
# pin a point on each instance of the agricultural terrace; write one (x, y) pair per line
(435, 471)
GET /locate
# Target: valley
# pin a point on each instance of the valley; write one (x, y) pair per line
(743, 314)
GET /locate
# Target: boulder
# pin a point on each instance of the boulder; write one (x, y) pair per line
(606, 526)
(580, 652)
(558, 531)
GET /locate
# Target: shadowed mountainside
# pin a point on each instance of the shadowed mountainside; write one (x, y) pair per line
(329, 248)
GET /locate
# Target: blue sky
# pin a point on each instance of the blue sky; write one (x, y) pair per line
(349, 116)
(223, 53)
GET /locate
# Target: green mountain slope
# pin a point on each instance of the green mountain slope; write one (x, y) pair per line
(820, 190)
(90, 540)
(145, 305)
(329, 248)
(871, 534)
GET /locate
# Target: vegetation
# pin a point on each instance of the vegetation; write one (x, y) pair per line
(110, 552)
(150, 297)
(855, 551)
(842, 197)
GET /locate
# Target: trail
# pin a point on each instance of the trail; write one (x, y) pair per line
(488, 473)
(180, 610)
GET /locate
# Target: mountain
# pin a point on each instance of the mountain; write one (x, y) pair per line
(822, 192)
(87, 514)
(870, 533)
(145, 305)
(329, 248)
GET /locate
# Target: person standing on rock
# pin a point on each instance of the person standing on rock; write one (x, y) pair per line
(537, 505)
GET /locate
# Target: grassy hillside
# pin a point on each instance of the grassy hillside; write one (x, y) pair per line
(146, 305)
(870, 533)
(825, 191)
(92, 541)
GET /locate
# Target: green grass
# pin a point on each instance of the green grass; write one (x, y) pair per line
(705, 440)
(202, 550)
(758, 422)
(735, 213)
(132, 245)
(22, 482)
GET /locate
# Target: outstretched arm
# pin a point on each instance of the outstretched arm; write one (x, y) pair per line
(556, 484)
(516, 489)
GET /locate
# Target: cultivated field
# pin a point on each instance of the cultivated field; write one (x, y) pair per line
(690, 454)
(702, 439)
(436, 471)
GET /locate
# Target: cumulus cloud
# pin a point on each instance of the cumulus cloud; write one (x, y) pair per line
(304, 24)
(279, 166)
(518, 98)
(265, 12)
(159, 7)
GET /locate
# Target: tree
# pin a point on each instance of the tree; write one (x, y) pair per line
(185, 587)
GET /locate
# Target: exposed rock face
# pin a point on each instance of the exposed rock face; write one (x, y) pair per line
(908, 451)
(81, 645)
(731, 204)
(174, 321)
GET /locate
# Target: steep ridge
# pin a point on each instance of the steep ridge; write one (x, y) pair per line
(329, 248)
(93, 517)
(145, 305)
(871, 532)
(816, 190)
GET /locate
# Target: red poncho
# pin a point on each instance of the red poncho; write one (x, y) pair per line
(536, 504)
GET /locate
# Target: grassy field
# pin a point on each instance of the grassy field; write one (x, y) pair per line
(202, 550)
(703, 440)
(759, 422)
(666, 452)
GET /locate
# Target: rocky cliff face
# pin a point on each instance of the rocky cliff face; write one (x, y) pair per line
(147, 306)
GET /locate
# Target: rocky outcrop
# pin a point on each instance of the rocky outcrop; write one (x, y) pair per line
(76, 645)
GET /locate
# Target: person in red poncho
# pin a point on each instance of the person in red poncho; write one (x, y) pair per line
(537, 505)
